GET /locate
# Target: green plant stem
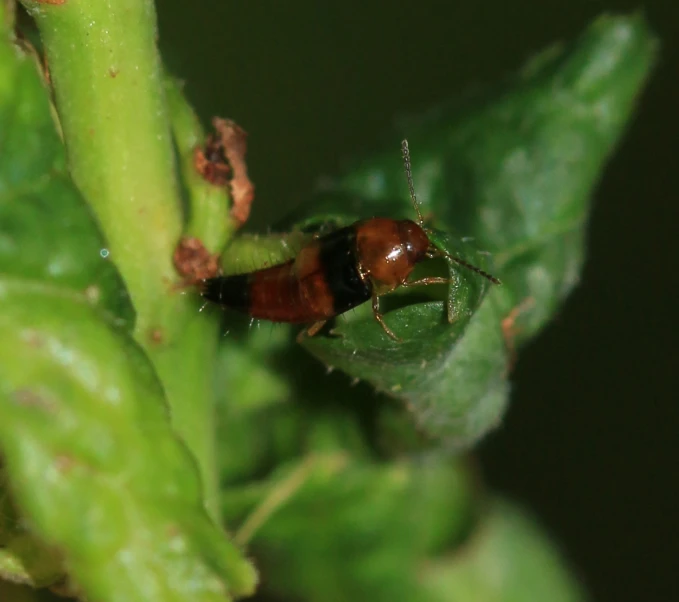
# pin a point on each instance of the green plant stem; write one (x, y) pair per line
(108, 84)
(107, 79)
(208, 216)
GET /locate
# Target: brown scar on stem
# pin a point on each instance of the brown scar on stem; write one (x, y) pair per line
(64, 463)
(33, 338)
(173, 530)
(211, 163)
(509, 330)
(33, 399)
(46, 71)
(222, 163)
(52, 2)
(234, 139)
(194, 262)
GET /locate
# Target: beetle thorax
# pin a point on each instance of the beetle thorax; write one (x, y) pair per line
(388, 250)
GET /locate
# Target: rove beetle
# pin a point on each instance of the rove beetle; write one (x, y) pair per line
(337, 271)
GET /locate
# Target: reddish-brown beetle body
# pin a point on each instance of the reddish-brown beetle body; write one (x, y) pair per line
(334, 273)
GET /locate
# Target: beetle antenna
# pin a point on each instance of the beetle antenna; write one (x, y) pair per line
(436, 252)
(473, 268)
(411, 186)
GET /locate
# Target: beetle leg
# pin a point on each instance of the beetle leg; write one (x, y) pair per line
(380, 318)
(450, 305)
(311, 330)
(428, 280)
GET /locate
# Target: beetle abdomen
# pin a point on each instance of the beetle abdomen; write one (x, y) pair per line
(323, 281)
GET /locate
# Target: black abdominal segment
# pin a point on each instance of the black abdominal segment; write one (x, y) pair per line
(229, 291)
(339, 260)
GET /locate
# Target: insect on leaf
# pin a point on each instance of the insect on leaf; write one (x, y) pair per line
(514, 174)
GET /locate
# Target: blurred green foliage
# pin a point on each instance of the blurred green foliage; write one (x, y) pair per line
(336, 499)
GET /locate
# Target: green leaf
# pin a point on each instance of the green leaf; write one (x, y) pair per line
(46, 234)
(258, 429)
(107, 81)
(405, 531)
(353, 530)
(507, 558)
(46, 230)
(93, 461)
(515, 172)
(252, 420)
(23, 557)
(103, 487)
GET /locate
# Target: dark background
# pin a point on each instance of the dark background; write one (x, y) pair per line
(590, 440)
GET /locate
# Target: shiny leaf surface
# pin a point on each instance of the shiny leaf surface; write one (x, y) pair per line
(93, 460)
